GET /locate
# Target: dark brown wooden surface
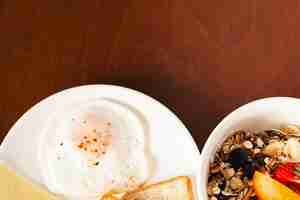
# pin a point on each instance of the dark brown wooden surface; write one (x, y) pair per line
(201, 58)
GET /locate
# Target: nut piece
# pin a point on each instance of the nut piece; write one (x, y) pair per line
(256, 151)
(259, 142)
(228, 173)
(213, 189)
(210, 189)
(213, 198)
(267, 160)
(292, 149)
(274, 148)
(291, 130)
(236, 183)
(216, 190)
(247, 144)
(271, 163)
(226, 148)
(215, 168)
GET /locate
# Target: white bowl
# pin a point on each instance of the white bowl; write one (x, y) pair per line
(255, 116)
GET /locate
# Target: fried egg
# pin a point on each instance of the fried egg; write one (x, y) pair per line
(92, 148)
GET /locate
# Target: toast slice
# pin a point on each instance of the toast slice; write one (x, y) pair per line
(178, 188)
(109, 197)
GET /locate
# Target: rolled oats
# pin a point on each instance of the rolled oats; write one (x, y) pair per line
(247, 144)
(216, 190)
(259, 142)
(228, 173)
(236, 183)
(291, 130)
(256, 151)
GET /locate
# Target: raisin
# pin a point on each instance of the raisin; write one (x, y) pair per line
(249, 168)
(222, 185)
(260, 159)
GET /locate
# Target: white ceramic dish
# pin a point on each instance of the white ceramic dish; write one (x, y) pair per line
(258, 115)
(171, 144)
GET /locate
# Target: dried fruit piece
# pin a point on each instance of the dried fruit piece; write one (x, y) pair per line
(215, 168)
(274, 148)
(249, 168)
(292, 149)
(238, 157)
(288, 174)
(260, 159)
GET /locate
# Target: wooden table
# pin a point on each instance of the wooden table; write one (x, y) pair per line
(201, 58)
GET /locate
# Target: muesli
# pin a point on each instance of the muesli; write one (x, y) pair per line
(274, 152)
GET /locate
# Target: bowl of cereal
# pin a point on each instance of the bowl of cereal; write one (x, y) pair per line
(254, 153)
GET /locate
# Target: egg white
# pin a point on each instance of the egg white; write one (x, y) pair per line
(69, 171)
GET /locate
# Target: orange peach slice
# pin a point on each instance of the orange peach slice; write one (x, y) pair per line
(267, 188)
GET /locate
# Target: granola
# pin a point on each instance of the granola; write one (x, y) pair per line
(243, 153)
